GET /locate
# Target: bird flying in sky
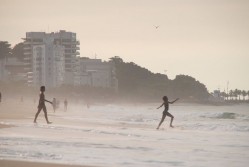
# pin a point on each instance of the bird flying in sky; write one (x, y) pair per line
(157, 27)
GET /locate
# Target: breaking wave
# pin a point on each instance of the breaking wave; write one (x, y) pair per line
(224, 115)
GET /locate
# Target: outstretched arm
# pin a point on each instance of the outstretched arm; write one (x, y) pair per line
(48, 101)
(173, 101)
(160, 106)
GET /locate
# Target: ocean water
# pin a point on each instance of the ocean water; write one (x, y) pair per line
(113, 135)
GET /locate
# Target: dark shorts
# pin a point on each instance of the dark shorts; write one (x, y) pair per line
(42, 107)
(166, 113)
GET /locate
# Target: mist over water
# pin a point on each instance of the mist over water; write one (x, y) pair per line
(126, 135)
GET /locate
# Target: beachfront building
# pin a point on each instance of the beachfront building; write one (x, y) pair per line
(14, 69)
(48, 66)
(95, 73)
(216, 96)
(50, 58)
(2, 69)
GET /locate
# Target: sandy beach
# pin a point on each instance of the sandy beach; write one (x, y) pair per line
(123, 135)
(14, 111)
(13, 163)
(5, 126)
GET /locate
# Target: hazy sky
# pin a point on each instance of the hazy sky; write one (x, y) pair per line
(206, 39)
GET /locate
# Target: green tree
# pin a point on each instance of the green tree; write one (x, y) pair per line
(187, 87)
(244, 94)
(231, 94)
(235, 94)
(116, 59)
(18, 51)
(239, 93)
(5, 50)
(223, 94)
(138, 82)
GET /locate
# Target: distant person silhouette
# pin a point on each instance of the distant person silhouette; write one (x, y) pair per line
(54, 104)
(65, 105)
(87, 103)
(165, 112)
(0, 97)
(42, 106)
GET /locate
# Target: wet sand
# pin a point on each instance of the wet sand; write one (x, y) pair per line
(15, 111)
(12, 163)
(5, 126)
(116, 135)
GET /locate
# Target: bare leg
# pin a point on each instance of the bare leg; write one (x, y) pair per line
(163, 117)
(172, 118)
(171, 122)
(46, 115)
(38, 112)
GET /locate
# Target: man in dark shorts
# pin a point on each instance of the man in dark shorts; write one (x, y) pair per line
(41, 105)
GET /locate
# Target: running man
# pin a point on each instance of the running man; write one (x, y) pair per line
(42, 106)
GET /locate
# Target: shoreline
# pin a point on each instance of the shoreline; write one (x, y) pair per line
(5, 126)
(19, 163)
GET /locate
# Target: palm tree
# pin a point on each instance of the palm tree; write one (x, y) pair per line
(226, 95)
(235, 93)
(239, 92)
(223, 94)
(244, 93)
(231, 94)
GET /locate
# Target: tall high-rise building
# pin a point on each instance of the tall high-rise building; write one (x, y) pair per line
(51, 57)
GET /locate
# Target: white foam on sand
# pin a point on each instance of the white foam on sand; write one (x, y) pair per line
(127, 136)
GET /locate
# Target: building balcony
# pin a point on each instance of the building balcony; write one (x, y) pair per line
(27, 48)
(27, 42)
(27, 64)
(71, 42)
(68, 54)
(68, 48)
(76, 53)
(32, 43)
(27, 68)
(27, 58)
(27, 53)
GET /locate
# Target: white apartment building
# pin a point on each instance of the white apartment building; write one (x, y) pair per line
(95, 73)
(48, 66)
(51, 57)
